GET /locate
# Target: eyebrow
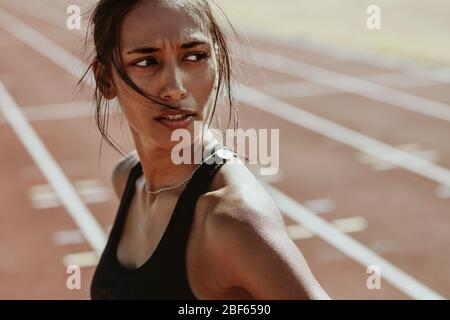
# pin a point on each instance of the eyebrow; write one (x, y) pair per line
(187, 45)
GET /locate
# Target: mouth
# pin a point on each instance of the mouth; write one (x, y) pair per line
(175, 120)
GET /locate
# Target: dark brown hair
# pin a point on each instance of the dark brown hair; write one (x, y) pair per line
(104, 32)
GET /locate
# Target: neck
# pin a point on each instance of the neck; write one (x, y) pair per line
(158, 168)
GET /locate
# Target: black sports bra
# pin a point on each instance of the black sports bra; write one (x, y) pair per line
(164, 274)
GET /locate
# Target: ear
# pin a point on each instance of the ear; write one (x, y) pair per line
(105, 84)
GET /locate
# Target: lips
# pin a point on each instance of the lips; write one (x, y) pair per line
(175, 115)
(176, 119)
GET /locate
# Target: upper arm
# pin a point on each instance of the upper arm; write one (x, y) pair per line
(121, 172)
(255, 253)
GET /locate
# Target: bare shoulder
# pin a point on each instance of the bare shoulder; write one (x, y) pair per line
(121, 172)
(240, 196)
(247, 242)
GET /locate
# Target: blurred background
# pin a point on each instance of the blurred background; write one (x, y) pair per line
(360, 93)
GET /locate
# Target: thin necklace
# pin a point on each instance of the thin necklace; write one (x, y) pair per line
(147, 189)
(171, 187)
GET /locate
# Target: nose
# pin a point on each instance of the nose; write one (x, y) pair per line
(172, 88)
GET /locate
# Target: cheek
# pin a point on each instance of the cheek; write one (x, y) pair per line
(134, 107)
(202, 85)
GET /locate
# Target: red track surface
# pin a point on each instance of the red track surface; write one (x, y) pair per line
(407, 222)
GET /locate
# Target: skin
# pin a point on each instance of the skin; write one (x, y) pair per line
(181, 78)
(238, 247)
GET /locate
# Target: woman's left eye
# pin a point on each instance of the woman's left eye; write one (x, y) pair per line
(146, 62)
(196, 56)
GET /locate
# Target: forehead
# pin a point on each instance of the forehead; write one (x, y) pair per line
(156, 21)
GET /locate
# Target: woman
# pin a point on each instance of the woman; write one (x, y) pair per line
(191, 230)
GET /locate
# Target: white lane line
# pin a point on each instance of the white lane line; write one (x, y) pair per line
(329, 233)
(369, 58)
(61, 111)
(364, 57)
(296, 89)
(439, 74)
(284, 90)
(320, 206)
(81, 259)
(400, 80)
(71, 168)
(345, 225)
(256, 99)
(343, 135)
(52, 172)
(43, 45)
(301, 89)
(377, 164)
(351, 224)
(68, 237)
(57, 111)
(364, 88)
(325, 49)
(351, 247)
(91, 191)
(72, 236)
(415, 103)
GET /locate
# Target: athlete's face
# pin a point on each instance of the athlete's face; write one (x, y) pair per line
(167, 53)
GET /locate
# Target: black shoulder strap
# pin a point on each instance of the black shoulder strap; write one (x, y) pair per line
(197, 186)
(127, 195)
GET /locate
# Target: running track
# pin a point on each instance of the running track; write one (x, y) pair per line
(364, 161)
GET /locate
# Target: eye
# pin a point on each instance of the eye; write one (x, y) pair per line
(197, 57)
(146, 62)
